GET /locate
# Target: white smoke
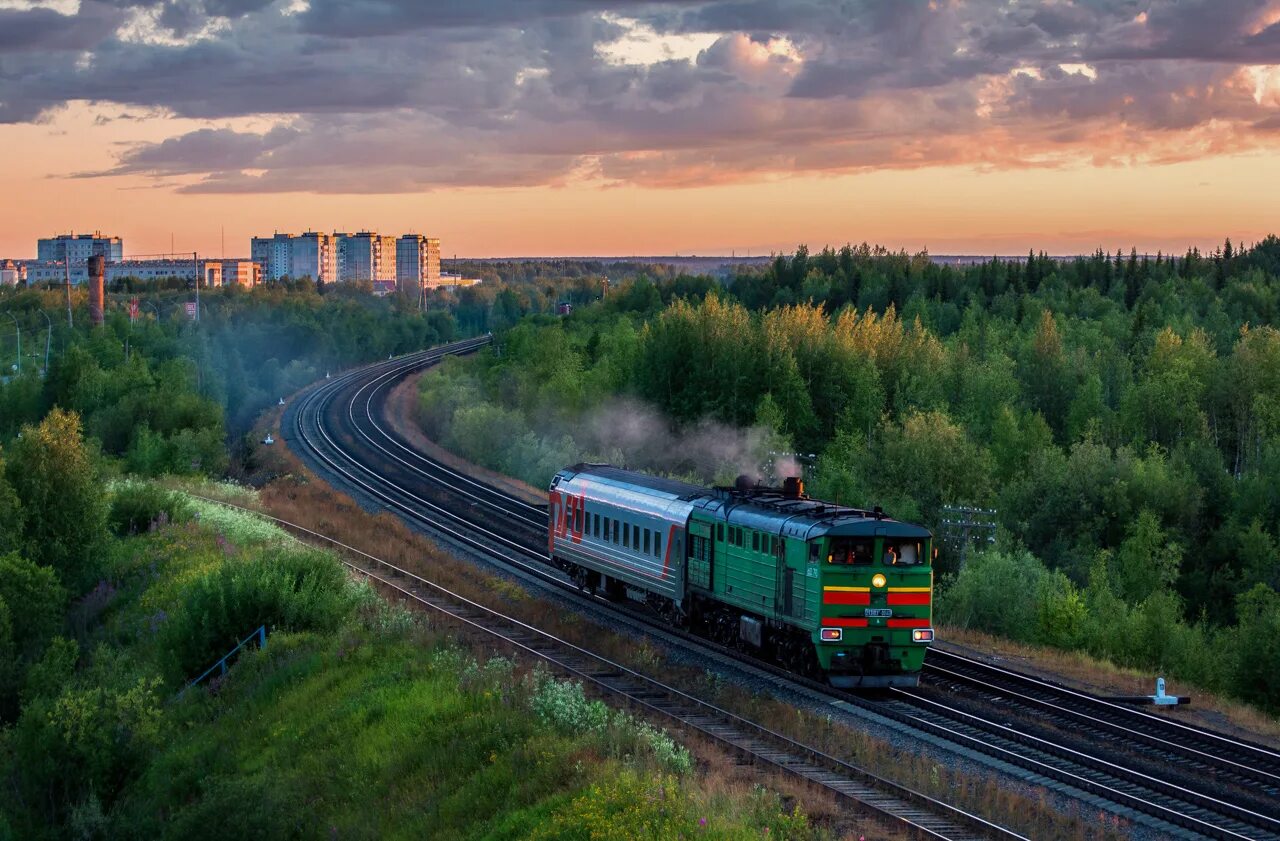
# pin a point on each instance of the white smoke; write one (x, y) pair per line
(634, 435)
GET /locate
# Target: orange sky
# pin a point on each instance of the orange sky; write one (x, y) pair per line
(706, 140)
(947, 209)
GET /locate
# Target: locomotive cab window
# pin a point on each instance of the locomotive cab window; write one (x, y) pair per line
(903, 553)
(851, 551)
(720, 532)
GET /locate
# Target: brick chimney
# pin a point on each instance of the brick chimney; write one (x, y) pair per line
(97, 282)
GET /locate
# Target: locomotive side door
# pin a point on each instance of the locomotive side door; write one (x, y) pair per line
(701, 550)
(791, 584)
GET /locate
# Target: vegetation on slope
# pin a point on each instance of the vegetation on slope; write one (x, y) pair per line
(1122, 413)
(354, 721)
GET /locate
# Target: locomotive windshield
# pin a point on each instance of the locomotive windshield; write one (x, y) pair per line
(851, 551)
(903, 553)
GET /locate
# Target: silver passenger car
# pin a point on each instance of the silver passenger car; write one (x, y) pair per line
(624, 525)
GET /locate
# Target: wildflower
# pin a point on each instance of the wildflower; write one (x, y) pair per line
(702, 822)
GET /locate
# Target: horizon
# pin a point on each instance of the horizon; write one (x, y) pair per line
(653, 127)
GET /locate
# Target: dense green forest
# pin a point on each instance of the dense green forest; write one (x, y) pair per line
(1120, 412)
(356, 720)
(166, 393)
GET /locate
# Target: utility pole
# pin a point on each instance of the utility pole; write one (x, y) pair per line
(195, 264)
(48, 339)
(959, 524)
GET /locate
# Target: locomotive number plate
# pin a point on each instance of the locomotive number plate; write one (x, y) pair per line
(877, 613)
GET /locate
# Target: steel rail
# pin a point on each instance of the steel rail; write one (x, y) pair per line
(872, 794)
(1137, 727)
(1116, 795)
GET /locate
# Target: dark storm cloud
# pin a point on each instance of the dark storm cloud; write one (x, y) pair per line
(389, 95)
(45, 29)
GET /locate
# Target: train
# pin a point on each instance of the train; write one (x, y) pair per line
(842, 594)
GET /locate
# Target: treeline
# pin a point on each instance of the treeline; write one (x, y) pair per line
(1121, 412)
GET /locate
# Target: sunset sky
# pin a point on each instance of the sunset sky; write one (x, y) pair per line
(616, 127)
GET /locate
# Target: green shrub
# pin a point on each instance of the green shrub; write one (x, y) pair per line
(995, 592)
(139, 506)
(285, 590)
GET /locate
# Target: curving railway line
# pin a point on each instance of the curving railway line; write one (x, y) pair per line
(1160, 773)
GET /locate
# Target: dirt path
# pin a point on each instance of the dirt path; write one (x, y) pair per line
(402, 404)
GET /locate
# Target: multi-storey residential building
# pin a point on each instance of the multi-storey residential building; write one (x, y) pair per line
(417, 263)
(78, 248)
(310, 254)
(366, 256)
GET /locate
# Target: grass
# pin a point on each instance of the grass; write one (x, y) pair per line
(302, 499)
(388, 728)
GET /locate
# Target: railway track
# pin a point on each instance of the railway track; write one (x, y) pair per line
(346, 435)
(881, 799)
(1228, 761)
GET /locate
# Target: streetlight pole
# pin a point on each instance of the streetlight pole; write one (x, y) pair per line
(48, 339)
(19, 327)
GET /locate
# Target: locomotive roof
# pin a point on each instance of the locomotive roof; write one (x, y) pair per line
(802, 518)
(764, 509)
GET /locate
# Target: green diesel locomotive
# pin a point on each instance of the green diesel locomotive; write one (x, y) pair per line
(815, 587)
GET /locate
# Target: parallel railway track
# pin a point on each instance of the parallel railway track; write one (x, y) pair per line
(347, 438)
(892, 804)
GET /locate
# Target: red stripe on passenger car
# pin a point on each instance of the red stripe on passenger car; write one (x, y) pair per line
(836, 622)
(838, 597)
(909, 598)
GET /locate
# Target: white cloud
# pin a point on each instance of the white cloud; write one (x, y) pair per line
(62, 7)
(643, 45)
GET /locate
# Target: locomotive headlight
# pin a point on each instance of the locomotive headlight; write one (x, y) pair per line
(878, 580)
(922, 635)
(832, 634)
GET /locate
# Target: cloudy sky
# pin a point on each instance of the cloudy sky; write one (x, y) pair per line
(632, 127)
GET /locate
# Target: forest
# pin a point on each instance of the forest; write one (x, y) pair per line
(117, 589)
(1120, 413)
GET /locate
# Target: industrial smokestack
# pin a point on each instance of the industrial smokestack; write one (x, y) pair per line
(97, 292)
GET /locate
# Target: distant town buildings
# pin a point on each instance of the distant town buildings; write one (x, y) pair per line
(12, 273)
(311, 254)
(211, 273)
(409, 263)
(78, 248)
